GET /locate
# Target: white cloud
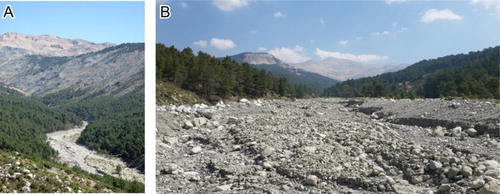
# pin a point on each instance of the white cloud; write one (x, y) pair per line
(201, 43)
(434, 14)
(253, 31)
(184, 5)
(380, 33)
(222, 44)
(311, 41)
(402, 29)
(487, 4)
(394, 24)
(226, 5)
(290, 55)
(394, 1)
(322, 21)
(262, 49)
(279, 15)
(360, 58)
(344, 42)
(359, 38)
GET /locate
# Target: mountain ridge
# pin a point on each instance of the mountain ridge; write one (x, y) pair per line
(343, 69)
(49, 45)
(314, 81)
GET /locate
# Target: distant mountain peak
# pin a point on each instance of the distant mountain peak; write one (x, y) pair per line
(278, 68)
(343, 69)
(258, 58)
(49, 45)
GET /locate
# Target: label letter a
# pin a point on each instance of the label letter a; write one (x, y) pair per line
(8, 11)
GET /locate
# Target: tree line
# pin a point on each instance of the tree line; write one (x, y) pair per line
(215, 79)
(472, 75)
(23, 122)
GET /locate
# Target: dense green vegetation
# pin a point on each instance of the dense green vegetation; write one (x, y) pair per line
(23, 122)
(472, 75)
(215, 79)
(116, 123)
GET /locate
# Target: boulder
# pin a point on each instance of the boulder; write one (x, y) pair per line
(434, 165)
(471, 132)
(171, 169)
(244, 100)
(187, 125)
(491, 187)
(466, 171)
(195, 150)
(223, 188)
(312, 180)
(478, 183)
(199, 121)
(438, 132)
(206, 113)
(233, 120)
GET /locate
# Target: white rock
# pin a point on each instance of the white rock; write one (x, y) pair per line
(187, 125)
(491, 187)
(195, 150)
(223, 188)
(192, 176)
(471, 132)
(438, 132)
(244, 100)
(199, 121)
(466, 171)
(456, 131)
(310, 149)
(233, 120)
(478, 183)
(312, 180)
(171, 169)
(489, 164)
(434, 165)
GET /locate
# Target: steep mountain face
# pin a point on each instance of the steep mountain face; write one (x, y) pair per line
(49, 45)
(268, 62)
(117, 69)
(259, 59)
(343, 69)
(99, 83)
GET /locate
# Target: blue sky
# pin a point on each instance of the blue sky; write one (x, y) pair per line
(379, 32)
(115, 22)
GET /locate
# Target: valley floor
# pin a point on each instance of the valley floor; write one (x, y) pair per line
(324, 145)
(74, 154)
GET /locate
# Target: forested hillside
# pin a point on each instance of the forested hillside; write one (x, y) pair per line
(116, 123)
(23, 122)
(472, 75)
(215, 79)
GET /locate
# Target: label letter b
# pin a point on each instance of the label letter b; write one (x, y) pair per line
(164, 11)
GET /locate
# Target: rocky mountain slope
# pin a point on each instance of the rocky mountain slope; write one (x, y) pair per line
(118, 69)
(343, 69)
(20, 174)
(314, 81)
(48, 45)
(327, 146)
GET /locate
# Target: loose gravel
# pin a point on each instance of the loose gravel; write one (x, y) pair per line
(328, 146)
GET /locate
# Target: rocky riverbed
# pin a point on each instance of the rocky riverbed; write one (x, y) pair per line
(74, 154)
(327, 146)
